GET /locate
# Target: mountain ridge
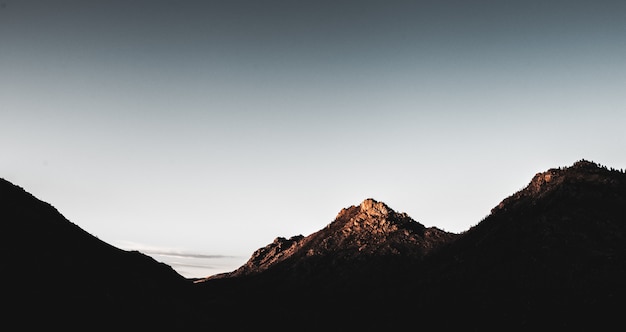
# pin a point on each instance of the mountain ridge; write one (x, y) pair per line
(551, 255)
(542, 182)
(362, 227)
(368, 230)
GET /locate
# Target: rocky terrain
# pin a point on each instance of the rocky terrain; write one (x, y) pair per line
(360, 234)
(550, 256)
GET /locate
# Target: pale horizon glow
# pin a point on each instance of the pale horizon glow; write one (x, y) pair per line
(209, 128)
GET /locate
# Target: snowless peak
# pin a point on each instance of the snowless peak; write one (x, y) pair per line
(584, 163)
(371, 206)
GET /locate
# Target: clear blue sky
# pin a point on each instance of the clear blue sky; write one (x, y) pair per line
(209, 128)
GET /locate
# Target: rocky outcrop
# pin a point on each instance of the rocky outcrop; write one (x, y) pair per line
(371, 230)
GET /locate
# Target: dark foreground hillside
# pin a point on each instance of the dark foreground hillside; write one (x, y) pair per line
(549, 257)
(59, 276)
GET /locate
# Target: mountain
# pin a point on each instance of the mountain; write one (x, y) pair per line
(358, 237)
(552, 255)
(57, 273)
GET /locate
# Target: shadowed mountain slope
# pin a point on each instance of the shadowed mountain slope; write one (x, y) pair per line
(553, 254)
(59, 274)
(570, 220)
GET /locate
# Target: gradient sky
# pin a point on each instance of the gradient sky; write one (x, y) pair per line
(206, 129)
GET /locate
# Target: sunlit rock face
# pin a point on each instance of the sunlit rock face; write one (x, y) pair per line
(367, 231)
(376, 229)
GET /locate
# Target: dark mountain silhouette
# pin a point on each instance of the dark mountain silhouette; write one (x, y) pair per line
(551, 256)
(57, 275)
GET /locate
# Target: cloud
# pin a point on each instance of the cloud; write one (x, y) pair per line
(165, 251)
(202, 266)
(183, 254)
(188, 263)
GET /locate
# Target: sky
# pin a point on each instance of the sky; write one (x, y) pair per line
(199, 131)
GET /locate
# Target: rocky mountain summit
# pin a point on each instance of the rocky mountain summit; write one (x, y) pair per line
(371, 230)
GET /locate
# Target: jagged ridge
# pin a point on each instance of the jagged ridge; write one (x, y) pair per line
(552, 255)
(371, 229)
(566, 179)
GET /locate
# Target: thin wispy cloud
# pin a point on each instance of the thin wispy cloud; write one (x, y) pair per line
(165, 251)
(203, 266)
(187, 263)
(184, 254)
